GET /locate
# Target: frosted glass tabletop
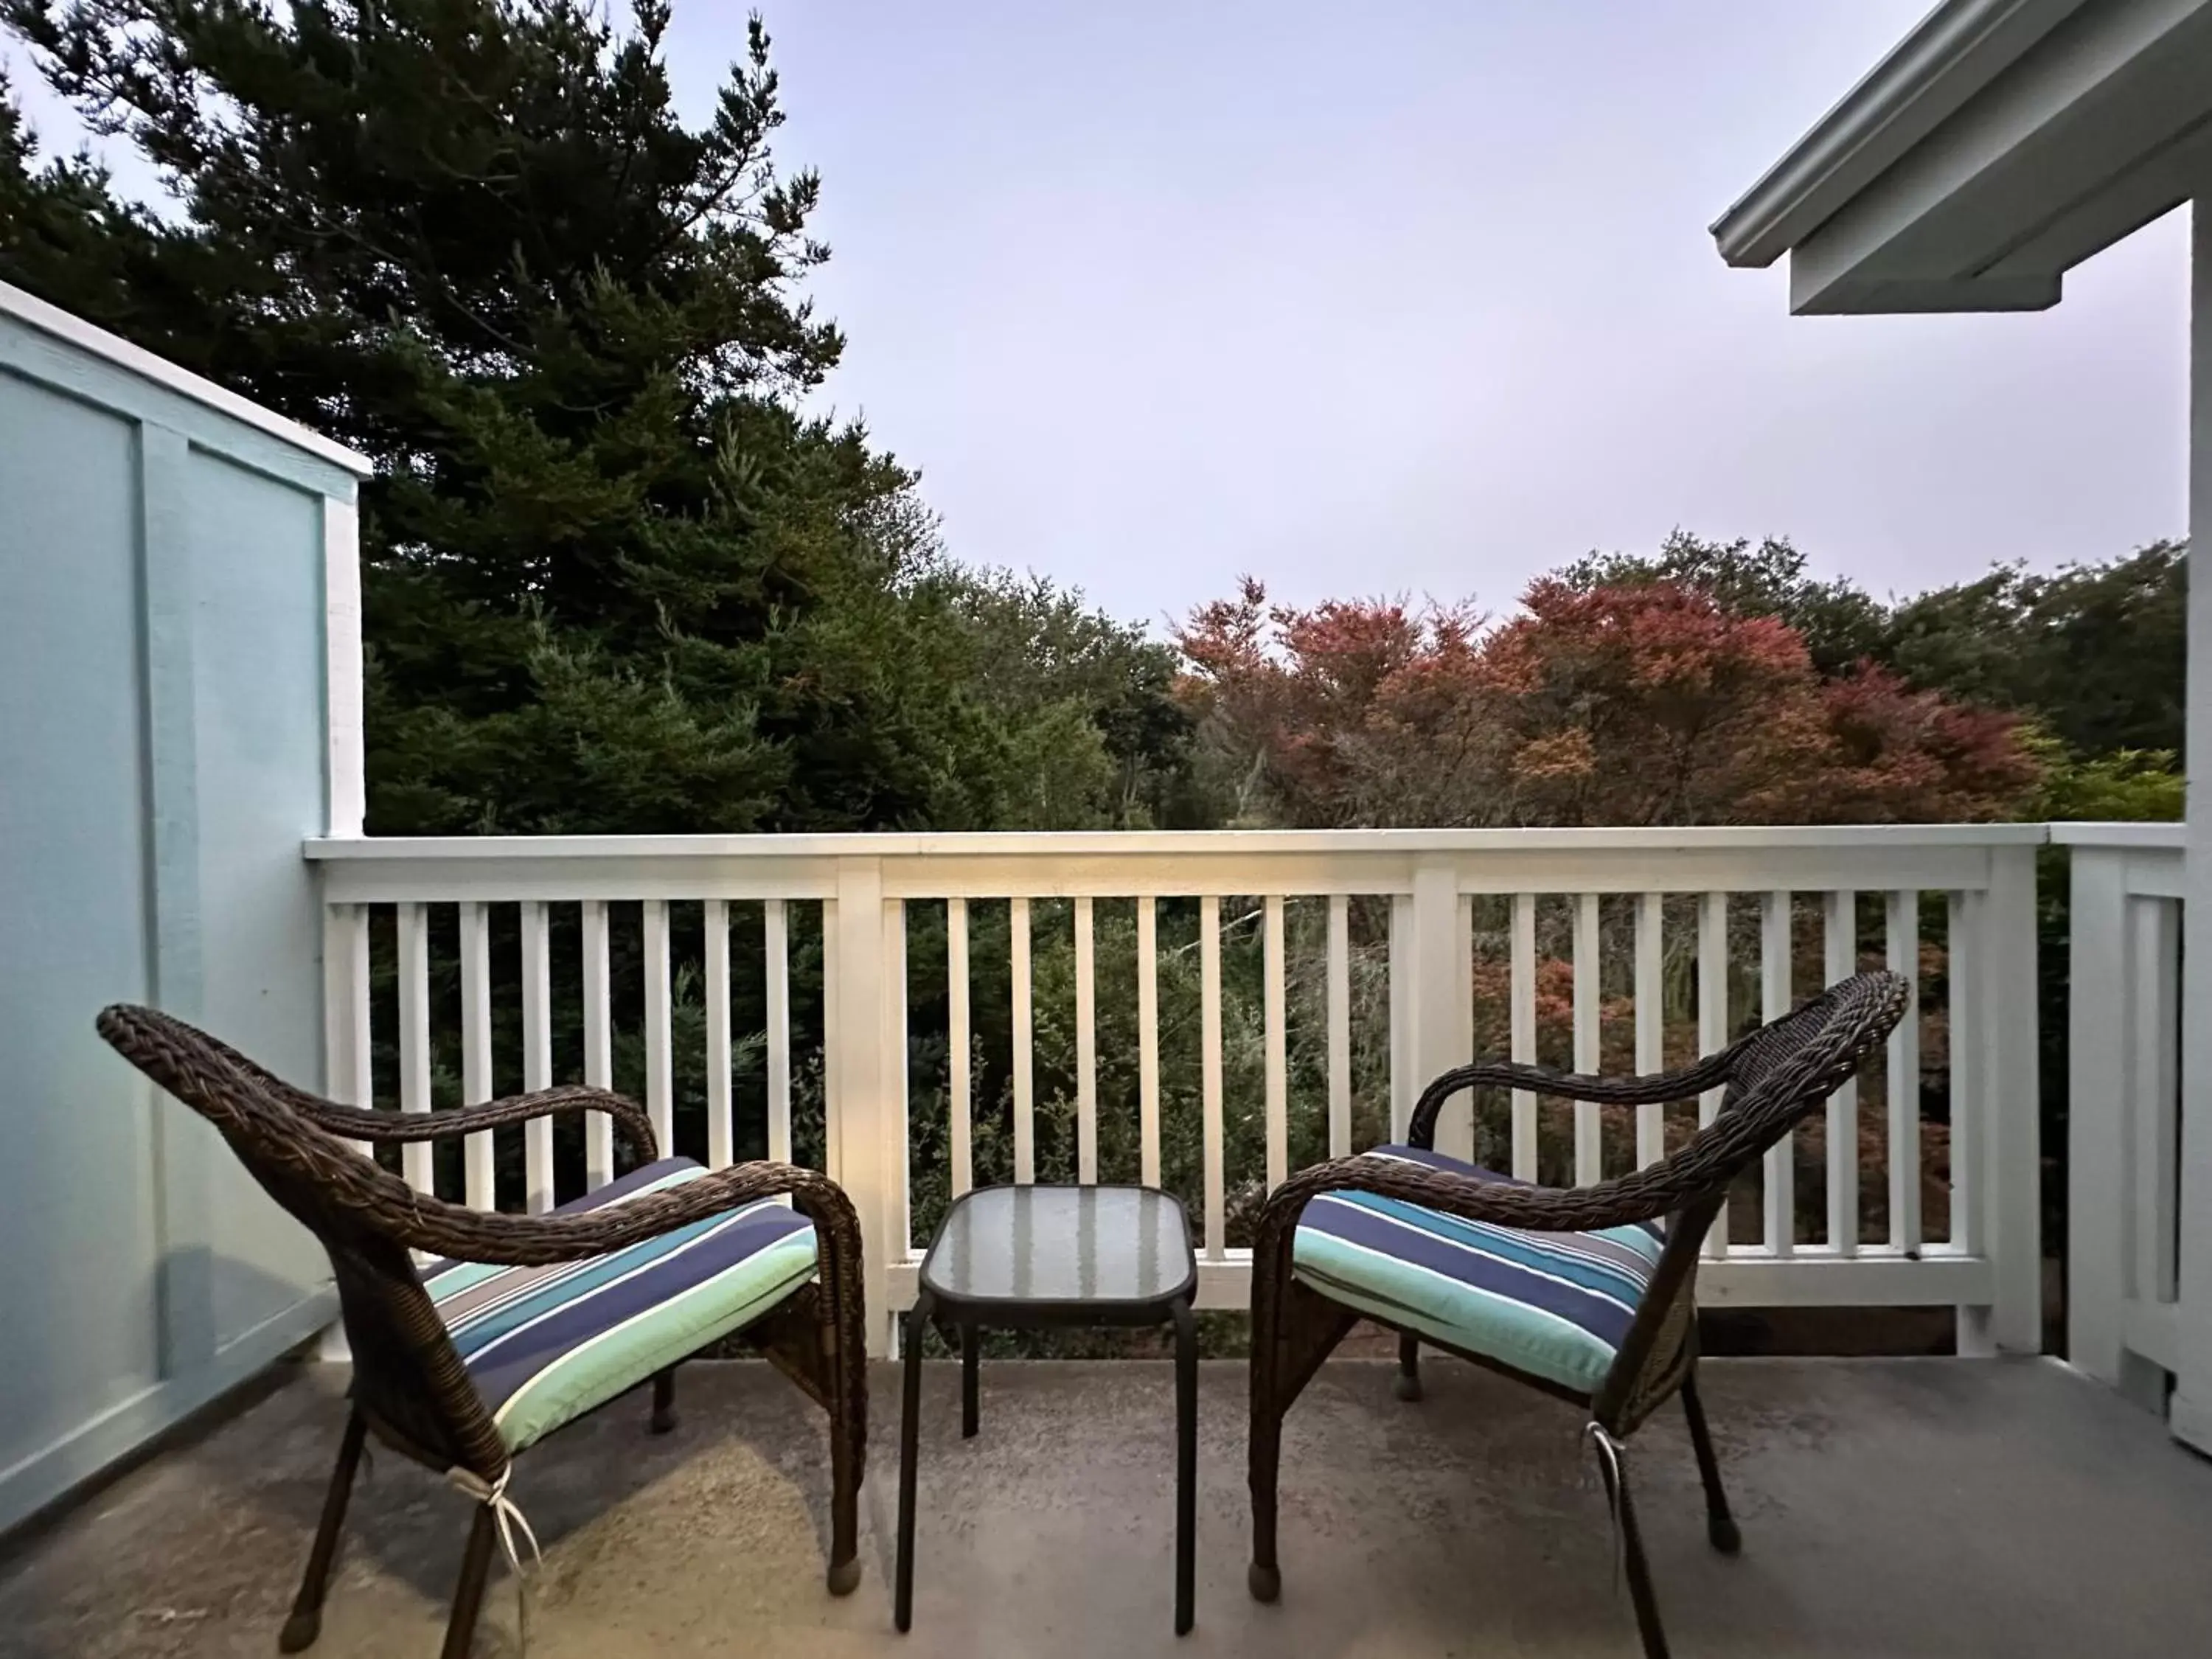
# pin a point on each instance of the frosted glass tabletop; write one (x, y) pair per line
(1070, 1251)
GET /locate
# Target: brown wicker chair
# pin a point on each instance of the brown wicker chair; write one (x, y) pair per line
(410, 1385)
(1774, 1077)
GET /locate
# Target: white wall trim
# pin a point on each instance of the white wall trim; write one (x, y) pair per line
(99, 342)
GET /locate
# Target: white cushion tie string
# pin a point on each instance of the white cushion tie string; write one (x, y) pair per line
(508, 1515)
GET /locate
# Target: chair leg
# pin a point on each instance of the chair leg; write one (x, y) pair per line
(1264, 1445)
(1186, 1324)
(664, 1401)
(1264, 1579)
(468, 1594)
(909, 1433)
(306, 1622)
(848, 1443)
(1615, 1468)
(1408, 1385)
(1720, 1525)
(1293, 1331)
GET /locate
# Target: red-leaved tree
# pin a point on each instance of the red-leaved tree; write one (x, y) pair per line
(1648, 704)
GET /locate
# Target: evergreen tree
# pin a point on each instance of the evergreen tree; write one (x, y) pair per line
(2099, 650)
(615, 579)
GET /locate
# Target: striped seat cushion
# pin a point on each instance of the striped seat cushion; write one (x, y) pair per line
(546, 1344)
(1556, 1305)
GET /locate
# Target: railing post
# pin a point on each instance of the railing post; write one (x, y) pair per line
(2151, 1146)
(2189, 1411)
(1439, 1001)
(345, 1044)
(2097, 1197)
(861, 1079)
(2007, 1161)
(1404, 1087)
(345, 1007)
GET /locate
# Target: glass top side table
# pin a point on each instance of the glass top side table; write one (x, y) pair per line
(1026, 1258)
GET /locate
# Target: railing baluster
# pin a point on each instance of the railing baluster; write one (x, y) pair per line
(1148, 1041)
(1901, 1074)
(721, 1130)
(417, 1159)
(1025, 1058)
(1209, 961)
(1840, 949)
(1713, 1024)
(1650, 1023)
(1781, 1205)
(477, 1167)
(1086, 1046)
(537, 1054)
(659, 1081)
(775, 931)
(1339, 1025)
(598, 1045)
(1589, 1152)
(1523, 1020)
(958, 1043)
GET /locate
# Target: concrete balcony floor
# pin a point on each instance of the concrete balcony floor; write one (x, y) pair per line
(1889, 1507)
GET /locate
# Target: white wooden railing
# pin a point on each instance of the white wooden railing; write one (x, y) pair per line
(1684, 935)
(2124, 1059)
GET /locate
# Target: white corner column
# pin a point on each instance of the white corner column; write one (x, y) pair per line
(2191, 1409)
(344, 693)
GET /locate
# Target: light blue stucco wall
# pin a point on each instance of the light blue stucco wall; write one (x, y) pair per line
(163, 751)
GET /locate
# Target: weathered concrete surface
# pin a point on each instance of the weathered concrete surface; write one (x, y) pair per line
(1892, 1507)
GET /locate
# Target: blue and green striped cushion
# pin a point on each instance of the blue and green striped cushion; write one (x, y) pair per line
(1557, 1305)
(546, 1344)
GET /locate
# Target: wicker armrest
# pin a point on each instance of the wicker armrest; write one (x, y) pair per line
(397, 1128)
(1658, 1088)
(394, 1128)
(431, 1224)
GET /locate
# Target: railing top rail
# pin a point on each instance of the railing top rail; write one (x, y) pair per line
(2144, 837)
(1172, 843)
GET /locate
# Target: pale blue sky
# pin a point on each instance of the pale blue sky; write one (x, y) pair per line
(1418, 298)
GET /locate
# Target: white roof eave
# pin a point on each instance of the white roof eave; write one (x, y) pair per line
(1954, 52)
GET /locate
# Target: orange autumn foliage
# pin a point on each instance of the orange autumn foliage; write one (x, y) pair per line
(1649, 704)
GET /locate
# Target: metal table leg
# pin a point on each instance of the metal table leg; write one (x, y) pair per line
(1186, 1466)
(970, 1353)
(917, 1322)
